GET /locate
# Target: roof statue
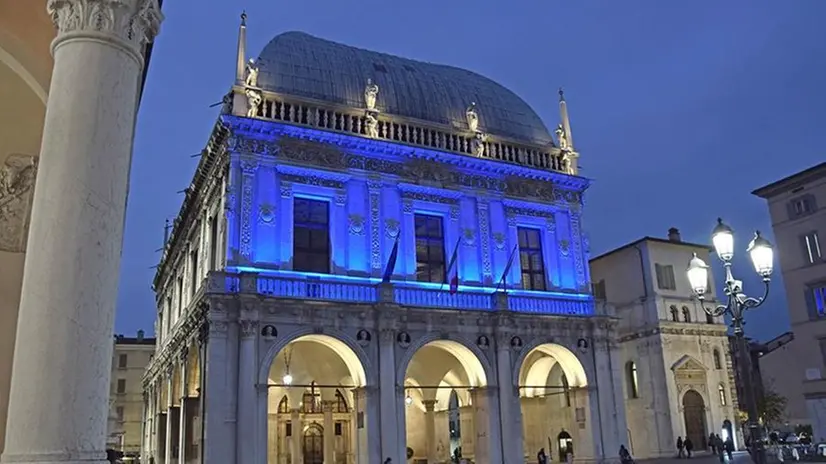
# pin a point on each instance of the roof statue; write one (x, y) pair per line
(371, 124)
(253, 100)
(562, 137)
(371, 90)
(472, 117)
(252, 74)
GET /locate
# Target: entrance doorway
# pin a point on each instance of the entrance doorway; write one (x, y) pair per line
(566, 445)
(314, 444)
(694, 412)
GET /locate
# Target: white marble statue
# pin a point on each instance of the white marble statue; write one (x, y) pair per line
(252, 74)
(371, 90)
(562, 137)
(253, 100)
(371, 125)
(472, 117)
(477, 144)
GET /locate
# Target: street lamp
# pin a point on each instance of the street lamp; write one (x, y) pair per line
(762, 257)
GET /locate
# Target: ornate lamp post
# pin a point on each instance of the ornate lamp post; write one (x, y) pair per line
(762, 256)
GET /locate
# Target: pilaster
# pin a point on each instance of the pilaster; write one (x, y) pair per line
(247, 417)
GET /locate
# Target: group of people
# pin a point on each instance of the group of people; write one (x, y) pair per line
(721, 448)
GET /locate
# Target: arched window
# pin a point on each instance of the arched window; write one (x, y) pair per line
(721, 390)
(341, 403)
(717, 363)
(284, 405)
(686, 314)
(631, 379)
(567, 390)
(675, 314)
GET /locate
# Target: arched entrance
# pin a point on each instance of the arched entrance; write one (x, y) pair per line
(446, 404)
(317, 403)
(694, 412)
(554, 402)
(728, 432)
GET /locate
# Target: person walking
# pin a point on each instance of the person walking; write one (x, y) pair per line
(729, 447)
(625, 456)
(541, 457)
(689, 446)
(712, 443)
(679, 447)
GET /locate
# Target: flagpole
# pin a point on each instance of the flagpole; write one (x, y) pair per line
(453, 259)
(503, 280)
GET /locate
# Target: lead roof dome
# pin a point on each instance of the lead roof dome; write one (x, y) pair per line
(296, 63)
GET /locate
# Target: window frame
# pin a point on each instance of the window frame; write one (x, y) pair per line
(811, 248)
(118, 388)
(632, 380)
(531, 252)
(718, 363)
(123, 361)
(312, 251)
(665, 276)
(431, 265)
(721, 393)
(815, 297)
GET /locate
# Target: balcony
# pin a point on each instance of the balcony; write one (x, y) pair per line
(372, 291)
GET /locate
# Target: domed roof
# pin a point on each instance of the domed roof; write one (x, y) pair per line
(295, 63)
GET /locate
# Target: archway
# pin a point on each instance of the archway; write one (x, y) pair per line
(554, 401)
(728, 432)
(317, 403)
(446, 404)
(694, 414)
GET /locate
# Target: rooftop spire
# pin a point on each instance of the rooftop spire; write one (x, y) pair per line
(561, 95)
(241, 58)
(565, 121)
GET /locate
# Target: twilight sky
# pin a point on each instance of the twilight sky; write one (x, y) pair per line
(679, 109)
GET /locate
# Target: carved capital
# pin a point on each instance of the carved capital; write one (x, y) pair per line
(249, 327)
(132, 22)
(341, 197)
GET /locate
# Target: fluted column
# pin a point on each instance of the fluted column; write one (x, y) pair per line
(430, 430)
(70, 280)
(297, 434)
(329, 432)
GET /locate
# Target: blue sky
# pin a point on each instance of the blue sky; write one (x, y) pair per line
(679, 108)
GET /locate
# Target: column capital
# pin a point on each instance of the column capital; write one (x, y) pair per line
(429, 405)
(132, 23)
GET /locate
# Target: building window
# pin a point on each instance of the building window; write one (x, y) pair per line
(721, 390)
(180, 290)
(341, 403)
(193, 266)
(811, 248)
(801, 206)
(121, 386)
(338, 429)
(709, 319)
(686, 314)
(816, 300)
(430, 248)
(119, 413)
(530, 258)
(631, 379)
(599, 290)
(311, 236)
(284, 405)
(213, 243)
(122, 361)
(717, 363)
(675, 313)
(665, 277)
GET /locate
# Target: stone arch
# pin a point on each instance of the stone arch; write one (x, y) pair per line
(473, 360)
(344, 346)
(16, 57)
(568, 360)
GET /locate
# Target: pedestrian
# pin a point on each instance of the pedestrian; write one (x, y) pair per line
(625, 456)
(712, 442)
(541, 457)
(795, 453)
(689, 446)
(388, 461)
(679, 447)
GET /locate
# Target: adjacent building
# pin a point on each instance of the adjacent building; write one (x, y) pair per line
(797, 206)
(772, 374)
(678, 379)
(380, 258)
(129, 361)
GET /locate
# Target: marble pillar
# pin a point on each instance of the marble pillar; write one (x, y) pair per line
(247, 415)
(70, 280)
(481, 425)
(167, 453)
(389, 398)
(297, 434)
(182, 412)
(510, 408)
(329, 432)
(430, 430)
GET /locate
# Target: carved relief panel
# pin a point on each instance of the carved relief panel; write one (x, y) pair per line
(17, 176)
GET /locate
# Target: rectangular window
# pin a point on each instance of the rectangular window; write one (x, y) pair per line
(311, 236)
(121, 386)
(213, 243)
(816, 301)
(122, 361)
(338, 429)
(193, 266)
(530, 258)
(430, 248)
(801, 206)
(811, 247)
(665, 277)
(180, 295)
(119, 413)
(599, 290)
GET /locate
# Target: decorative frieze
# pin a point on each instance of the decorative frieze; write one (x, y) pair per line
(579, 264)
(375, 227)
(248, 169)
(428, 197)
(317, 181)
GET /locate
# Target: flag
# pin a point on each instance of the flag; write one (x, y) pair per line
(507, 268)
(454, 282)
(453, 258)
(391, 262)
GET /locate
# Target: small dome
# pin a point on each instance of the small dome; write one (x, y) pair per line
(295, 63)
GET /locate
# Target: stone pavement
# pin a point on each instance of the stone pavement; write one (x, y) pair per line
(740, 457)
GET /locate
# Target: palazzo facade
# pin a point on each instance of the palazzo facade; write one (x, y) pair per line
(379, 258)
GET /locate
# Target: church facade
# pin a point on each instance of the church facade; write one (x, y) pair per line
(678, 380)
(379, 258)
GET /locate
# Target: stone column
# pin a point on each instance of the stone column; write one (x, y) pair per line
(70, 279)
(182, 411)
(430, 430)
(329, 432)
(167, 447)
(297, 432)
(481, 425)
(509, 405)
(247, 416)
(388, 399)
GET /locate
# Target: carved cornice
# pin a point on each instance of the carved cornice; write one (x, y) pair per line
(133, 22)
(710, 330)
